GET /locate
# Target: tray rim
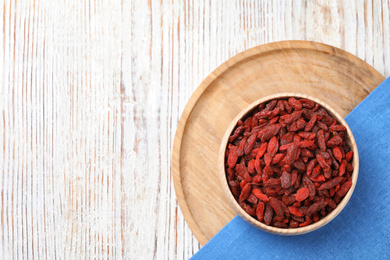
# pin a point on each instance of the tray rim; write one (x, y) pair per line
(225, 66)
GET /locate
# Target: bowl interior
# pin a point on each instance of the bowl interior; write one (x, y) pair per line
(254, 222)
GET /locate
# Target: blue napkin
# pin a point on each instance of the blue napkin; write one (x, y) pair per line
(360, 231)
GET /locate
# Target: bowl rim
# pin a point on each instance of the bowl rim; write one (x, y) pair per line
(251, 220)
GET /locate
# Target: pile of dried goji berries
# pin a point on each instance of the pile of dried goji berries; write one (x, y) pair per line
(288, 164)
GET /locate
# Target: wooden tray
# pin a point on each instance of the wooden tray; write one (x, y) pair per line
(328, 73)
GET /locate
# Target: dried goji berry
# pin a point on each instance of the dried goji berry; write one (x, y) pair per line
(258, 167)
(277, 158)
(241, 146)
(298, 219)
(237, 132)
(318, 178)
(287, 138)
(337, 128)
(325, 155)
(268, 170)
(234, 183)
(260, 195)
(280, 224)
(273, 146)
(311, 123)
(276, 205)
(302, 194)
(292, 153)
(297, 125)
(307, 135)
(267, 159)
(274, 120)
(306, 103)
(348, 156)
(305, 152)
(294, 175)
(251, 211)
(251, 166)
(269, 132)
(262, 150)
(290, 118)
(252, 199)
(268, 214)
(295, 103)
(349, 167)
(250, 143)
(331, 183)
(321, 140)
(306, 158)
(322, 125)
(260, 211)
(342, 167)
(230, 173)
(294, 223)
(337, 153)
(299, 165)
(287, 106)
(257, 178)
(242, 184)
(271, 105)
(245, 192)
(344, 188)
(295, 211)
(306, 143)
(309, 184)
(316, 217)
(236, 191)
(243, 172)
(311, 166)
(317, 206)
(280, 104)
(232, 159)
(322, 163)
(330, 203)
(272, 183)
(334, 141)
(285, 180)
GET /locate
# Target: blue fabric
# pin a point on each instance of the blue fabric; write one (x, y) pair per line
(360, 231)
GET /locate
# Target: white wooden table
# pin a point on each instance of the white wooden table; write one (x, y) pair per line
(91, 93)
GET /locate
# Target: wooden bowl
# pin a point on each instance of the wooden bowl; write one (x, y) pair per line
(254, 222)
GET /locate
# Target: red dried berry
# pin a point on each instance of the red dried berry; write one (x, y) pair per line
(337, 128)
(295, 103)
(289, 153)
(260, 211)
(276, 205)
(245, 192)
(285, 180)
(321, 140)
(302, 194)
(337, 153)
(348, 156)
(273, 146)
(269, 212)
(260, 195)
(344, 188)
(232, 159)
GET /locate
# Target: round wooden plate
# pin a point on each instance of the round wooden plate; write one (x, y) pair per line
(335, 76)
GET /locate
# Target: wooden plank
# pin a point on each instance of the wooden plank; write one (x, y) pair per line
(91, 95)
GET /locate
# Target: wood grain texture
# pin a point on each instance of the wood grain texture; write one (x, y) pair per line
(91, 94)
(332, 75)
